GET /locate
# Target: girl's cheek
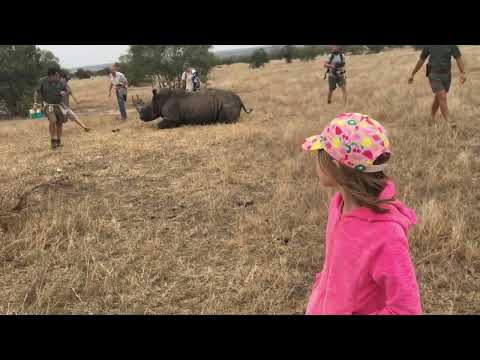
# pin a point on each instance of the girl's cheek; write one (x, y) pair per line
(325, 179)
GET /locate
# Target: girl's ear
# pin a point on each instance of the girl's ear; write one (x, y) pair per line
(336, 163)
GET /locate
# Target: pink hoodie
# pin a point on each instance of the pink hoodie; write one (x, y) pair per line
(367, 268)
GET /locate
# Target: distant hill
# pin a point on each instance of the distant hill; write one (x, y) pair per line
(248, 51)
(92, 68)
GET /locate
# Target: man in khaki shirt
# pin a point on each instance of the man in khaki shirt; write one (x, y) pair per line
(50, 93)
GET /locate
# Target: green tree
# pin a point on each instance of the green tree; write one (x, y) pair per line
(83, 74)
(258, 59)
(374, 49)
(167, 61)
(68, 73)
(288, 53)
(229, 61)
(309, 53)
(21, 67)
(103, 72)
(48, 60)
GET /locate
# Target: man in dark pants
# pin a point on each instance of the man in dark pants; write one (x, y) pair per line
(51, 92)
(119, 81)
(439, 73)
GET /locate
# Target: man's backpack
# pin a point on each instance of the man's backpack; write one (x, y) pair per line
(330, 60)
(196, 80)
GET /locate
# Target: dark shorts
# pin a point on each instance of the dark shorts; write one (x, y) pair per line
(55, 114)
(333, 81)
(440, 82)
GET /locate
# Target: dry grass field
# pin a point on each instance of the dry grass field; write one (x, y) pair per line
(229, 219)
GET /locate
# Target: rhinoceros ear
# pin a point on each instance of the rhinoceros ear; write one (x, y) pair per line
(138, 103)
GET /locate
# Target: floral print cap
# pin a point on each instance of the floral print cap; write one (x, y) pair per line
(354, 140)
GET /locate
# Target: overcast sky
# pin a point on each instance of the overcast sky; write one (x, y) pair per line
(85, 55)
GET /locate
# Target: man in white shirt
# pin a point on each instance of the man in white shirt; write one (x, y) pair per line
(335, 66)
(120, 82)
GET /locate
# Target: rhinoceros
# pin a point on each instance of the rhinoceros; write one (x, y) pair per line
(177, 107)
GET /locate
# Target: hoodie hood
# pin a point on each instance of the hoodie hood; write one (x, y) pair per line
(397, 211)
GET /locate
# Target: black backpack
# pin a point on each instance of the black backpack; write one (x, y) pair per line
(342, 56)
(196, 81)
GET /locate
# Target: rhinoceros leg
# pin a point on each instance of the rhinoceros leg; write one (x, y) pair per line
(230, 114)
(167, 124)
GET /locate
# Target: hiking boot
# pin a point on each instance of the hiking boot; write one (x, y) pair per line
(54, 144)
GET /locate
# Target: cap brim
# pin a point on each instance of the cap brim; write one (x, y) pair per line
(313, 143)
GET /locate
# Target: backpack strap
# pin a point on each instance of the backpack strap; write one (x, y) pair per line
(343, 61)
(329, 62)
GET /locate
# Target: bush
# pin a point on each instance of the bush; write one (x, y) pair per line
(83, 74)
(308, 53)
(375, 49)
(289, 53)
(103, 72)
(258, 59)
(354, 49)
(21, 68)
(143, 61)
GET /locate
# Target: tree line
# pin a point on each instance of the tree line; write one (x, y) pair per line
(22, 66)
(305, 53)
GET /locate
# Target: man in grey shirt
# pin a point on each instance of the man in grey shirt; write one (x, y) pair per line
(439, 73)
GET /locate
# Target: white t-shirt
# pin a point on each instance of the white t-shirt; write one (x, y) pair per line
(336, 60)
(188, 78)
(118, 79)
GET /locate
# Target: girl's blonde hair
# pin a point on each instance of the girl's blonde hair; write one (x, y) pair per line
(364, 188)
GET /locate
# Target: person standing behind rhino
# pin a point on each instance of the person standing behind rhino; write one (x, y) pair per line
(120, 82)
(335, 66)
(190, 79)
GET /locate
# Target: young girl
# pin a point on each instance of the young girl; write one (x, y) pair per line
(367, 268)
(68, 112)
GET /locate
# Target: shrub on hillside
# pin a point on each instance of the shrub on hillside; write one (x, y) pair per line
(21, 67)
(83, 74)
(289, 53)
(258, 59)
